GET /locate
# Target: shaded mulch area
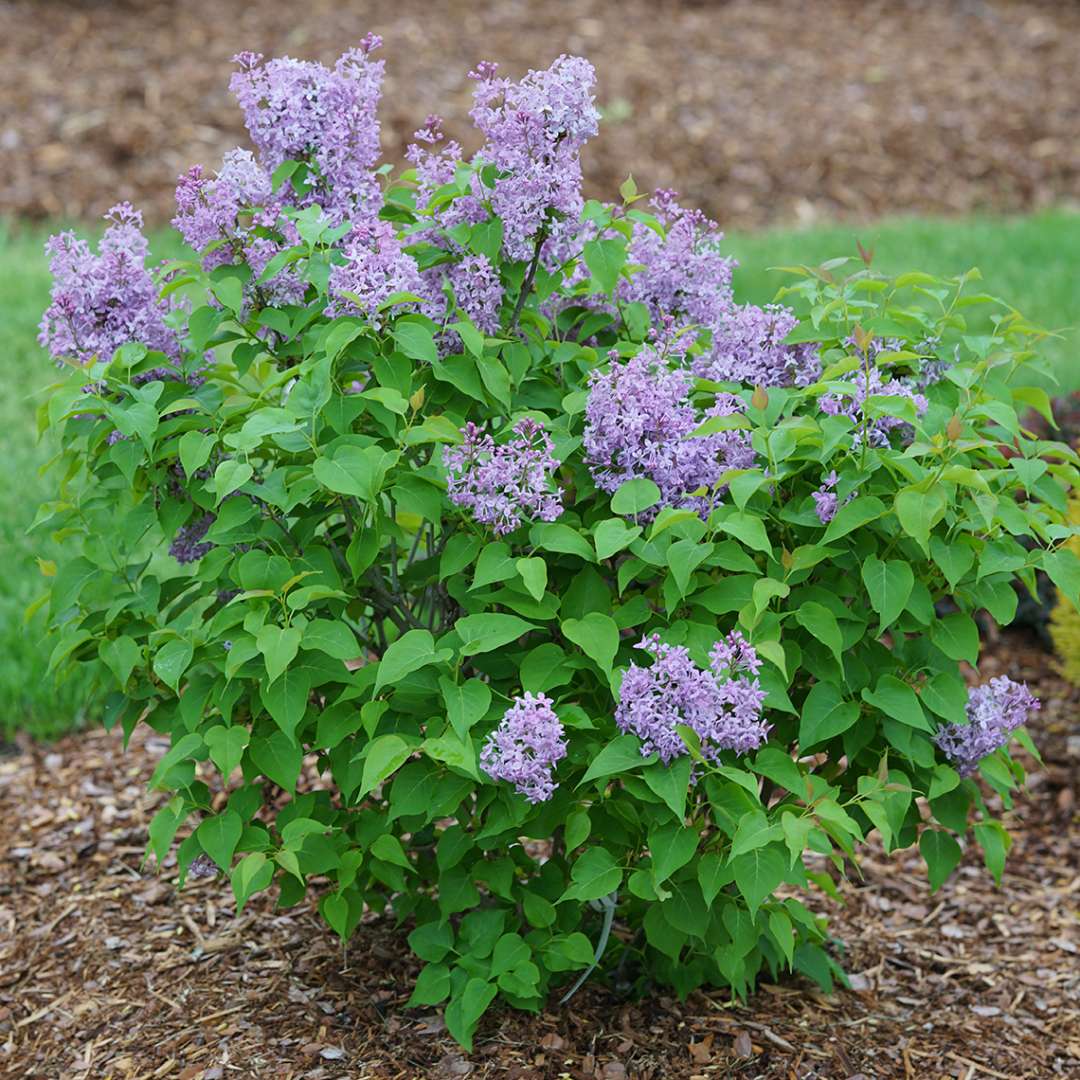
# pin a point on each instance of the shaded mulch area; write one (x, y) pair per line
(107, 971)
(758, 112)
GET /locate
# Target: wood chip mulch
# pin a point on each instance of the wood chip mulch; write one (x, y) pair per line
(106, 971)
(758, 112)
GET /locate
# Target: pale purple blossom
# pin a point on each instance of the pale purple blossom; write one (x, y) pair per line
(825, 502)
(524, 749)
(732, 654)
(283, 288)
(748, 347)
(682, 273)
(638, 423)
(202, 866)
(299, 110)
(104, 300)
(477, 291)
(375, 268)
(504, 485)
(229, 218)
(435, 166)
(208, 209)
(994, 711)
(471, 285)
(862, 384)
(722, 705)
(534, 131)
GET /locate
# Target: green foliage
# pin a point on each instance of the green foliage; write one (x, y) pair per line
(348, 612)
(1065, 618)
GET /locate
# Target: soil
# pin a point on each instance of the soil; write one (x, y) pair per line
(107, 971)
(757, 111)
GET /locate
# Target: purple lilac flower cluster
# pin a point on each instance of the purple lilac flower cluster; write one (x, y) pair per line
(825, 500)
(477, 291)
(683, 272)
(375, 268)
(104, 300)
(208, 208)
(525, 747)
(638, 420)
(471, 285)
(188, 546)
(994, 711)
(202, 866)
(929, 372)
(504, 485)
(300, 110)
(534, 131)
(435, 167)
(228, 218)
(723, 705)
(748, 347)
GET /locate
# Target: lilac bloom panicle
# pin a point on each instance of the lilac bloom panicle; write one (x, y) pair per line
(825, 502)
(375, 268)
(202, 866)
(472, 285)
(852, 405)
(524, 749)
(208, 209)
(722, 705)
(435, 166)
(301, 110)
(748, 347)
(504, 485)
(871, 380)
(104, 300)
(638, 422)
(682, 273)
(994, 711)
(534, 131)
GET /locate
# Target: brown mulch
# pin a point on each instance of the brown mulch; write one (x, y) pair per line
(757, 111)
(107, 971)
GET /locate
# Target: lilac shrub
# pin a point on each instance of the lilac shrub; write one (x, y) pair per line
(590, 595)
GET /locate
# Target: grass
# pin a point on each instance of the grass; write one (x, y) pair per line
(1030, 261)
(30, 699)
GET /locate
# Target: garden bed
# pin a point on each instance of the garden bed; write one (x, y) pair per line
(107, 970)
(758, 112)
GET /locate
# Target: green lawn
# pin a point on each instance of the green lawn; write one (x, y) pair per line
(29, 698)
(1031, 262)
